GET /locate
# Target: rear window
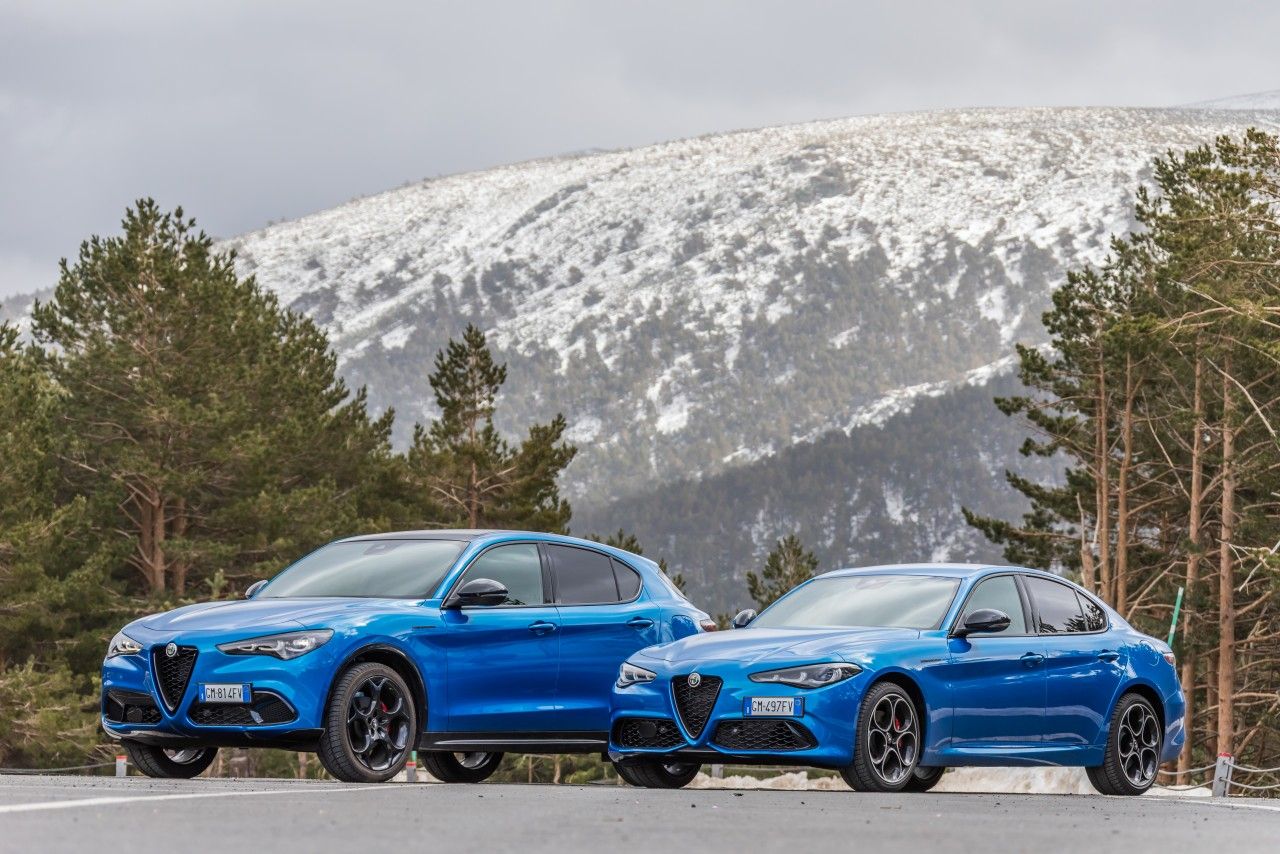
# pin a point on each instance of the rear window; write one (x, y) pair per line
(628, 581)
(1058, 608)
(583, 577)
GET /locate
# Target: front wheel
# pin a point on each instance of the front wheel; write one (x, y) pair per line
(1133, 749)
(369, 725)
(461, 767)
(655, 774)
(888, 741)
(182, 764)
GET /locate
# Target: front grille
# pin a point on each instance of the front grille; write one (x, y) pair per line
(172, 674)
(267, 708)
(695, 704)
(762, 735)
(129, 707)
(647, 732)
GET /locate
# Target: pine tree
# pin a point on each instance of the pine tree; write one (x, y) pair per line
(786, 566)
(468, 474)
(209, 421)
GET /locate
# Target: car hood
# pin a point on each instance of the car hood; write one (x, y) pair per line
(749, 645)
(267, 615)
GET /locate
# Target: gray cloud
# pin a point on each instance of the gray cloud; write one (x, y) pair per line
(247, 112)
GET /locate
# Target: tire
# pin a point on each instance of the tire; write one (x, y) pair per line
(923, 779)
(370, 725)
(653, 774)
(460, 767)
(170, 764)
(1134, 738)
(888, 739)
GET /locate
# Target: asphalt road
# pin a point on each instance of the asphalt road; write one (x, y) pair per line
(49, 814)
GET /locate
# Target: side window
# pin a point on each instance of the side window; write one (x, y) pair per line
(583, 577)
(1000, 593)
(1094, 619)
(517, 567)
(628, 581)
(1057, 607)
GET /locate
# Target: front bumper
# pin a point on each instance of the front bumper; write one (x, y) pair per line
(822, 736)
(287, 696)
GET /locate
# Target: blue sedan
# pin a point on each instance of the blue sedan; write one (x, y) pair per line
(892, 674)
(462, 644)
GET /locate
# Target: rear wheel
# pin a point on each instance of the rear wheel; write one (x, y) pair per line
(461, 767)
(1134, 739)
(655, 774)
(923, 779)
(181, 764)
(888, 741)
(369, 725)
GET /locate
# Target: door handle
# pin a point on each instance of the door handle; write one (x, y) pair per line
(640, 622)
(1108, 655)
(542, 627)
(1031, 659)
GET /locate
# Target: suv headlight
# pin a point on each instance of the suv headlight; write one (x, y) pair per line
(809, 675)
(629, 674)
(122, 644)
(286, 646)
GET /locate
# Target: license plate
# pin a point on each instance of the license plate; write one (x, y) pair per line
(223, 693)
(773, 707)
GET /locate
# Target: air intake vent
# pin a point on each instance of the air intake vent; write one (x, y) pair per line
(647, 732)
(762, 735)
(695, 704)
(129, 707)
(267, 708)
(173, 674)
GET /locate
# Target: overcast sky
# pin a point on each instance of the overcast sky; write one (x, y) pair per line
(248, 112)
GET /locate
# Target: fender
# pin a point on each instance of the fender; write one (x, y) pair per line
(416, 683)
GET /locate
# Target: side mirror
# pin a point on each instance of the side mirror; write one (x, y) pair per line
(983, 621)
(252, 589)
(743, 617)
(478, 591)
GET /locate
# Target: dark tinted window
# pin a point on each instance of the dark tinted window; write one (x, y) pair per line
(1094, 619)
(369, 568)
(517, 567)
(583, 577)
(1057, 606)
(1000, 593)
(628, 581)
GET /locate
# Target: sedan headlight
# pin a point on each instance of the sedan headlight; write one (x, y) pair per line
(286, 646)
(122, 644)
(629, 674)
(809, 675)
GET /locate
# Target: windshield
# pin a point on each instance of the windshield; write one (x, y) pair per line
(898, 601)
(406, 569)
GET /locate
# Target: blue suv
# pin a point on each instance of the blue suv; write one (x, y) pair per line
(461, 644)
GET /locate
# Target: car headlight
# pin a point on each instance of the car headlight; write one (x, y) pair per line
(122, 644)
(629, 674)
(286, 646)
(809, 675)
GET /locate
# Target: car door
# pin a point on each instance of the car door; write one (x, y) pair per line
(503, 660)
(605, 616)
(1082, 671)
(997, 681)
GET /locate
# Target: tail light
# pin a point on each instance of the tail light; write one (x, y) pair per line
(707, 624)
(1171, 658)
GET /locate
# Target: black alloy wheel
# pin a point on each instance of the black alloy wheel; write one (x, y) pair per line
(656, 774)
(166, 763)
(474, 767)
(369, 725)
(887, 746)
(1132, 757)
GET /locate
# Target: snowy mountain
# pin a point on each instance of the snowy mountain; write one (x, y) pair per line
(1256, 101)
(709, 311)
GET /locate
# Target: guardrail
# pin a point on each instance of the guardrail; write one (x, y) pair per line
(1224, 772)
